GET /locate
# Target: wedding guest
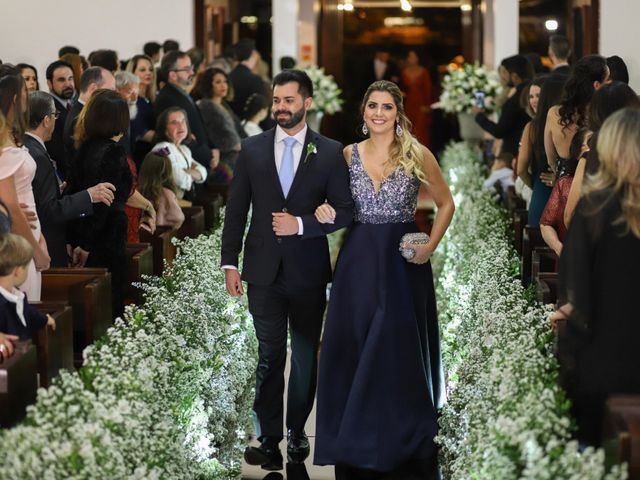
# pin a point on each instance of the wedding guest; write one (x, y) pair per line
(55, 210)
(607, 100)
(536, 63)
(221, 124)
(598, 284)
(244, 81)
(381, 67)
(156, 183)
(170, 46)
(17, 170)
(255, 111)
(68, 49)
(172, 129)
(30, 75)
(17, 317)
(152, 51)
(559, 51)
(197, 57)
(107, 59)
(513, 117)
(60, 81)
(287, 63)
(416, 82)
(227, 61)
(77, 66)
(501, 174)
(618, 69)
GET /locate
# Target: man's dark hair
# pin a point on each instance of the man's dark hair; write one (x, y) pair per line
(104, 58)
(244, 48)
(40, 105)
(163, 120)
(170, 46)
(520, 65)
(89, 76)
(287, 63)
(169, 62)
(559, 44)
(197, 57)
(54, 66)
(68, 49)
(618, 69)
(151, 48)
(305, 85)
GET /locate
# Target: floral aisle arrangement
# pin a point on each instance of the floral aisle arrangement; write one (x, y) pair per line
(507, 417)
(165, 394)
(326, 93)
(461, 84)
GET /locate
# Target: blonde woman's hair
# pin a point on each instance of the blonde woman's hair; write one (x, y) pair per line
(15, 251)
(406, 151)
(619, 153)
(150, 94)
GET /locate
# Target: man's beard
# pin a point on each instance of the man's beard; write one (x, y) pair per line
(67, 93)
(133, 111)
(289, 121)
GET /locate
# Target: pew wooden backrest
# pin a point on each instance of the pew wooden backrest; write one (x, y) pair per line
(547, 287)
(18, 384)
(139, 263)
(543, 260)
(621, 432)
(211, 199)
(531, 238)
(54, 347)
(162, 245)
(519, 220)
(194, 222)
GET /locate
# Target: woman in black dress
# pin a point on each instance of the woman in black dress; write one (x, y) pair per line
(99, 158)
(598, 349)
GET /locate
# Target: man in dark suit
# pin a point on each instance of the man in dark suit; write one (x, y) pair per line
(513, 117)
(284, 174)
(54, 209)
(559, 51)
(381, 67)
(62, 88)
(177, 69)
(245, 83)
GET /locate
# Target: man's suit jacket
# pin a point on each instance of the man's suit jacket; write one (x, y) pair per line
(392, 73)
(170, 96)
(67, 136)
(245, 83)
(320, 176)
(54, 210)
(55, 146)
(562, 70)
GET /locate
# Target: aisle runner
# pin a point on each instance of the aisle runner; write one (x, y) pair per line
(506, 417)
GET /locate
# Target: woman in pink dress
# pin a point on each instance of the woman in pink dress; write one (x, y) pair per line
(416, 84)
(17, 169)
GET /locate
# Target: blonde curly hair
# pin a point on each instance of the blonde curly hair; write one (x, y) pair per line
(406, 151)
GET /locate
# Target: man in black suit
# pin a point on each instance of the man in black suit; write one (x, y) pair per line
(513, 117)
(55, 210)
(62, 88)
(284, 174)
(559, 51)
(381, 68)
(245, 82)
(177, 69)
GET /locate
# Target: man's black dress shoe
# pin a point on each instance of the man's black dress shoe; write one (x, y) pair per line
(266, 455)
(297, 446)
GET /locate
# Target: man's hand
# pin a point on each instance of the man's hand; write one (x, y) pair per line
(79, 257)
(284, 224)
(102, 193)
(548, 178)
(476, 110)
(215, 159)
(325, 213)
(233, 282)
(32, 217)
(6, 345)
(51, 322)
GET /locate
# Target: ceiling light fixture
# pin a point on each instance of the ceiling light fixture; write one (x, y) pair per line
(551, 25)
(405, 5)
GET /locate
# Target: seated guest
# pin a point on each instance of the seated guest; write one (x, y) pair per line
(156, 183)
(107, 59)
(177, 71)
(92, 79)
(77, 66)
(60, 81)
(254, 112)
(55, 210)
(172, 129)
(552, 225)
(152, 50)
(501, 173)
(598, 280)
(618, 71)
(143, 123)
(221, 124)
(17, 317)
(30, 75)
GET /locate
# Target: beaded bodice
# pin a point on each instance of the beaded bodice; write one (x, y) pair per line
(394, 202)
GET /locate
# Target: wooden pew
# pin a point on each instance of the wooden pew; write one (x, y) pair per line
(88, 291)
(139, 263)
(519, 220)
(621, 432)
(54, 347)
(194, 222)
(531, 238)
(514, 201)
(211, 199)
(162, 245)
(543, 259)
(547, 287)
(18, 383)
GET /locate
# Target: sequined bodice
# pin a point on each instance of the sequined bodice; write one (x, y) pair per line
(394, 202)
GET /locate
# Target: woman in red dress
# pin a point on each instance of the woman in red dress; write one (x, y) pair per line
(416, 83)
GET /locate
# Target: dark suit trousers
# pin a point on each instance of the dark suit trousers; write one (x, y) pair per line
(274, 308)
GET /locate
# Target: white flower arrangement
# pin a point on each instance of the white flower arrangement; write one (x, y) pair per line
(461, 83)
(165, 394)
(507, 417)
(326, 93)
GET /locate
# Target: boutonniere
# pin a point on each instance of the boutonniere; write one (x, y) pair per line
(311, 148)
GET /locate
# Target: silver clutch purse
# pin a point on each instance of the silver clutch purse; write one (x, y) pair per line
(418, 238)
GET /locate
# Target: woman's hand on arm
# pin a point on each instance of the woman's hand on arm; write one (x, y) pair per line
(525, 155)
(575, 191)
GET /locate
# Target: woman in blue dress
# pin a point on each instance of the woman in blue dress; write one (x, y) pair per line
(380, 381)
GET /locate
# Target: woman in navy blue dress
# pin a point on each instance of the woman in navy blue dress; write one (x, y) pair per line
(380, 380)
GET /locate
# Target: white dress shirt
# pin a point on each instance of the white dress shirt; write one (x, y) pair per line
(380, 67)
(181, 158)
(17, 297)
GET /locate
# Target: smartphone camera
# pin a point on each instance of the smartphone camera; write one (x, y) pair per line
(479, 99)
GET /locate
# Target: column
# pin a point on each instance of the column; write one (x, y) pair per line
(501, 20)
(618, 27)
(285, 31)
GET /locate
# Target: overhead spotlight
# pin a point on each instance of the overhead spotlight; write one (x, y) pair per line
(551, 25)
(465, 7)
(405, 5)
(348, 7)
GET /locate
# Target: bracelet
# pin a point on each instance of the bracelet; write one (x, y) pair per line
(563, 312)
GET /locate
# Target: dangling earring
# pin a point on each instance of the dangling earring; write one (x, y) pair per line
(399, 130)
(365, 130)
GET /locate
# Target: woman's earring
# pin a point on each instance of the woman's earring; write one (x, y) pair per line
(365, 130)
(399, 130)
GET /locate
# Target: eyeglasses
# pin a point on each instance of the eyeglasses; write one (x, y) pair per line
(184, 69)
(55, 114)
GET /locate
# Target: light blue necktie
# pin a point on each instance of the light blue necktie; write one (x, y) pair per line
(286, 167)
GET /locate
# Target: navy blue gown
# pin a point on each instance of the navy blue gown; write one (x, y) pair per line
(380, 370)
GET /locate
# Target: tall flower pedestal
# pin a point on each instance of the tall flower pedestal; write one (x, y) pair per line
(314, 120)
(470, 131)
